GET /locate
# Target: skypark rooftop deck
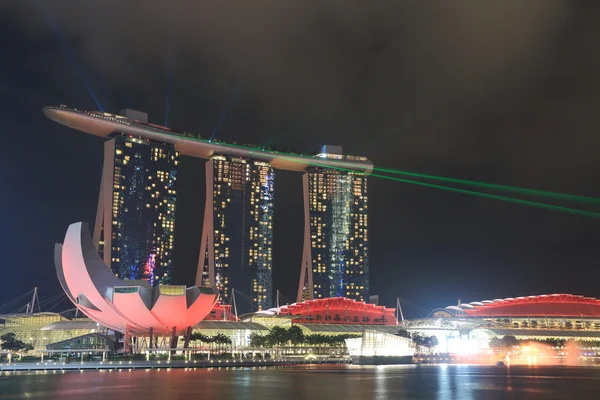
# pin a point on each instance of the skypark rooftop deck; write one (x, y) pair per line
(106, 124)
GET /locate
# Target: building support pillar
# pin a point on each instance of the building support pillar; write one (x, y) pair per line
(305, 289)
(205, 274)
(188, 334)
(104, 211)
(174, 338)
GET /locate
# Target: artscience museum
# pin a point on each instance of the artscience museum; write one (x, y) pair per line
(131, 307)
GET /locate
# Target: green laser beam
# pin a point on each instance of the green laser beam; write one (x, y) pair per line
(533, 192)
(552, 207)
(493, 196)
(472, 193)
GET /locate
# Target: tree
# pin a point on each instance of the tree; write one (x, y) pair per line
(318, 317)
(509, 342)
(199, 337)
(222, 339)
(403, 333)
(430, 342)
(257, 340)
(10, 342)
(295, 335)
(279, 335)
(418, 341)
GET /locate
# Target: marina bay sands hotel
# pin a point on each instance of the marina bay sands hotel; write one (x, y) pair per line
(135, 221)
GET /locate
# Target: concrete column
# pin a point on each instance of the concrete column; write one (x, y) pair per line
(188, 334)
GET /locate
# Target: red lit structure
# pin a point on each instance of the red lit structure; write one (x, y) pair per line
(550, 305)
(221, 312)
(337, 310)
(126, 306)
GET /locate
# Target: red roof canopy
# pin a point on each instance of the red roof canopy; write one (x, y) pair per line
(340, 310)
(552, 305)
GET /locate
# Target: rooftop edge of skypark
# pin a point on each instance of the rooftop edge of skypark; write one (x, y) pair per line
(106, 124)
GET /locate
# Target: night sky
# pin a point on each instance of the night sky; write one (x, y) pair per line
(506, 92)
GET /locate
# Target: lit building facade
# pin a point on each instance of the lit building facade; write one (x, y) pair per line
(237, 240)
(135, 222)
(335, 257)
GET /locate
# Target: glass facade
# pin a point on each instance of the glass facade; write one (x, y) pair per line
(41, 330)
(90, 341)
(338, 233)
(143, 210)
(243, 192)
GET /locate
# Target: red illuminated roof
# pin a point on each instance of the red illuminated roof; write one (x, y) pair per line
(550, 305)
(338, 310)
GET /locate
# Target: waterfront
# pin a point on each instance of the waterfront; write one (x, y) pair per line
(310, 382)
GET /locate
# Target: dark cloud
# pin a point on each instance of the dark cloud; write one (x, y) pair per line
(501, 91)
(327, 67)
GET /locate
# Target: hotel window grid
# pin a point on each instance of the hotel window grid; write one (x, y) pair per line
(243, 193)
(338, 210)
(143, 210)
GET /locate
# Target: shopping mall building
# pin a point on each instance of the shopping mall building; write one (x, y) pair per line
(460, 329)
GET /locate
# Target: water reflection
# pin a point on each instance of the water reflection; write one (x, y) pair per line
(443, 382)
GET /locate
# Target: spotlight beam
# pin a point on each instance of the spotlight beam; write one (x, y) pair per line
(70, 57)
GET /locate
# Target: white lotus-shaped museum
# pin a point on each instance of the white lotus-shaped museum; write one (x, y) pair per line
(125, 305)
